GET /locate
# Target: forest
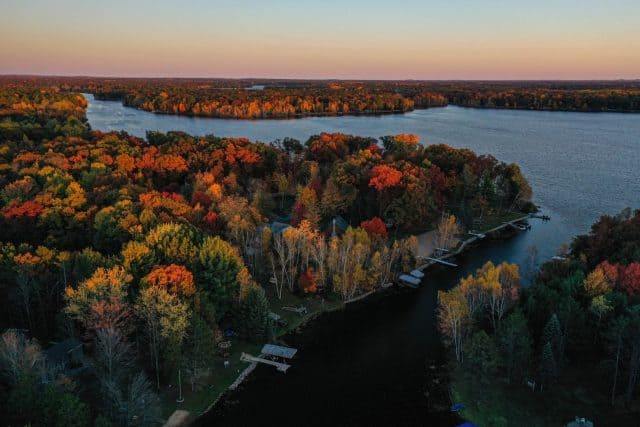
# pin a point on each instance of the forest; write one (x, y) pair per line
(567, 345)
(140, 259)
(282, 99)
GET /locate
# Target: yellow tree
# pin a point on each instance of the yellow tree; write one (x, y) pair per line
(106, 286)
(597, 283)
(166, 319)
(453, 319)
(446, 232)
(350, 254)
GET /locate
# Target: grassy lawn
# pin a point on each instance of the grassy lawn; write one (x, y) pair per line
(502, 404)
(221, 378)
(493, 221)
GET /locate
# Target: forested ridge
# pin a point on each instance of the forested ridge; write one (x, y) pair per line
(281, 99)
(147, 255)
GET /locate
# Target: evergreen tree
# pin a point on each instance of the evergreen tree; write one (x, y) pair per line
(481, 357)
(548, 368)
(514, 345)
(552, 334)
(253, 320)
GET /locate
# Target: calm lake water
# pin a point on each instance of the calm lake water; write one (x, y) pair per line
(367, 364)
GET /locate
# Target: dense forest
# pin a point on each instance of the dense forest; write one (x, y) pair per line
(140, 259)
(280, 99)
(567, 345)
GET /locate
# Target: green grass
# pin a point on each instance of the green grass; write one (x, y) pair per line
(493, 221)
(215, 385)
(502, 404)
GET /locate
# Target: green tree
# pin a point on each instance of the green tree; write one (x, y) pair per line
(514, 344)
(552, 335)
(216, 275)
(548, 366)
(481, 357)
(166, 319)
(253, 319)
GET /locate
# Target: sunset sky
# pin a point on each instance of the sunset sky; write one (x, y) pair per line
(364, 39)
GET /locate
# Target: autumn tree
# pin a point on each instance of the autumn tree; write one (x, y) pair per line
(166, 319)
(446, 232)
(105, 290)
(176, 279)
(454, 319)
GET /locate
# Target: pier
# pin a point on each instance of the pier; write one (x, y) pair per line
(441, 261)
(410, 279)
(282, 367)
(271, 350)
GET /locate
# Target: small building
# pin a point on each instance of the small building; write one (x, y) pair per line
(279, 351)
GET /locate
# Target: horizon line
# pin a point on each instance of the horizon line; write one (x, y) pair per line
(637, 79)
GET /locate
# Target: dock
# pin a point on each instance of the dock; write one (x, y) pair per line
(282, 367)
(408, 280)
(441, 261)
(431, 260)
(272, 351)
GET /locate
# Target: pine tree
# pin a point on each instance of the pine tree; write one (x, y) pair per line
(552, 334)
(253, 320)
(548, 367)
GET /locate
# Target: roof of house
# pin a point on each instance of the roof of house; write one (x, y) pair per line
(60, 351)
(278, 350)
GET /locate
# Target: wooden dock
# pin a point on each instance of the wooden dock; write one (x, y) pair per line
(441, 261)
(282, 367)
(474, 237)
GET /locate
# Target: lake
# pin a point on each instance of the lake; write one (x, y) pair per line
(367, 364)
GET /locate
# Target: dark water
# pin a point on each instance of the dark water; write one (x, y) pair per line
(366, 365)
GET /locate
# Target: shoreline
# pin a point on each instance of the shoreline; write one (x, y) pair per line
(379, 292)
(367, 113)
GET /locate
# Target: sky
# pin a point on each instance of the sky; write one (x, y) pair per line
(345, 39)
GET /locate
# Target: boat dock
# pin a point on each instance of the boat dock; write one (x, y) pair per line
(272, 351)
(282, 367)
(413, 281)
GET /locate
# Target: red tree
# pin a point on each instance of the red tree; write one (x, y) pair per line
(175, 278)
(374, 227)
(629, 278)
(383, 177)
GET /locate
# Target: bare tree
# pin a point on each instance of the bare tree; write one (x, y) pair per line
(113, 355)
(19, 355)
(134, 403)
(446, 231)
